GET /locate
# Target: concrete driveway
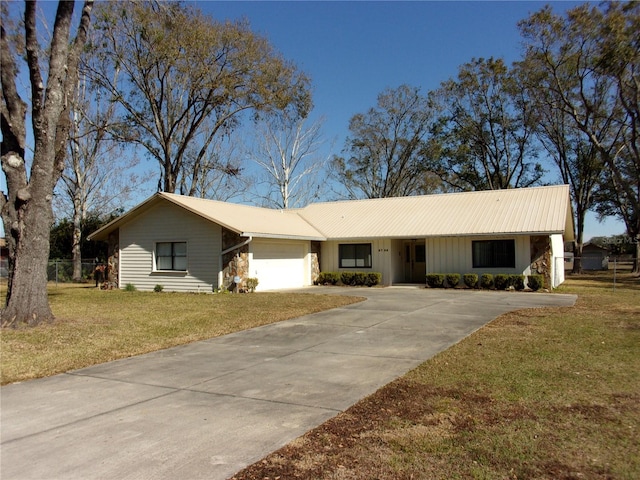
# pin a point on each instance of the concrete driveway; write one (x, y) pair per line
(209, 409)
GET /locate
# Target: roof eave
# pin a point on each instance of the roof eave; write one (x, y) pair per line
(283, 236)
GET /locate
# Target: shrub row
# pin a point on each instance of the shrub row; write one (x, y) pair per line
(488, 281)
(367, 279)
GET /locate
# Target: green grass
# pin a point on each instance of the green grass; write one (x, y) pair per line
(537, 394)
(94, 326)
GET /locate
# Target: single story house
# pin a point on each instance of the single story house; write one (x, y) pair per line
(193, 244)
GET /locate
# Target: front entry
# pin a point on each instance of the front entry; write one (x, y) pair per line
(415, 265)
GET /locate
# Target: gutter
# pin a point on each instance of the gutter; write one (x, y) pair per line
(224, 252)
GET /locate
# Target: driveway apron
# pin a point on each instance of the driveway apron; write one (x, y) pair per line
(209, 409)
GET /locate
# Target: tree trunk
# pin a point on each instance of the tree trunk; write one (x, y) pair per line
(26, 209)
(27, 301)
(636, 257)
(577, 246)
(76, 243)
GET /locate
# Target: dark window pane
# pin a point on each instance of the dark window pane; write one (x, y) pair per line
(494, 254)
(355, 255)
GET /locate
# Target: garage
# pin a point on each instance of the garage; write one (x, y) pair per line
(278, 264)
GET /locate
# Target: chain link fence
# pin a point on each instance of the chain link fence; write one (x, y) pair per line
(61, 271)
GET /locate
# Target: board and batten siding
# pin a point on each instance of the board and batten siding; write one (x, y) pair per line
(383, 257)
(168, 223)
(454, 255)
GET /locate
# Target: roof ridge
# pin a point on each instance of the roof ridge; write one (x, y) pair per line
(439, 195)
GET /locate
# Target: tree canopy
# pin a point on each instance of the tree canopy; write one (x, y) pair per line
(182, 79)
(385, 152)
(587, 68)
(484, 137)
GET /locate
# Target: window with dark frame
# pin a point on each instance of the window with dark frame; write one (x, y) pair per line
(171, 256)
(355, 255)
(494, 253)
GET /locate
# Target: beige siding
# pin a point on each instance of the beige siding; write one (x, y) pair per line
(454, 255)
(169, 223)
(383, 252)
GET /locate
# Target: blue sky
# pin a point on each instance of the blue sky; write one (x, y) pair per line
(354, 50)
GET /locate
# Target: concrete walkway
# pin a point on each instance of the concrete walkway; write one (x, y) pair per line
(209, 409)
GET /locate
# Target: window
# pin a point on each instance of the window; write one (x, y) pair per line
(171, 256)
(494, 254)
(355, 255)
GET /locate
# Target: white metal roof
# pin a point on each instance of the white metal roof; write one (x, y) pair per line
(514, 211)
(539, 210)
(248, 220)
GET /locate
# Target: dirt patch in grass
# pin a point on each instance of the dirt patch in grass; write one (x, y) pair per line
(537, 394)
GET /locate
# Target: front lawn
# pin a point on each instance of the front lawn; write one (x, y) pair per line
(538, 394)
(94, 326)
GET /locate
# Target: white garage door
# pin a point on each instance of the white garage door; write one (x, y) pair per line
(278, 265)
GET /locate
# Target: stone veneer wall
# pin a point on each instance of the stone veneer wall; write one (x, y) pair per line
(236, 262)
(112, 272)
(541, 257)
(315, 261)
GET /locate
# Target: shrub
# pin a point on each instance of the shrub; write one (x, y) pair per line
(130, 287)
(359, 278)
(516, 281)
(486, 280)
(435, 280)
(328, 278)
(501, 281)
(347, 278)
(251, 284)
(470, 280)
(535, 282)
(373, 278)
(158, 288)
(453, 279)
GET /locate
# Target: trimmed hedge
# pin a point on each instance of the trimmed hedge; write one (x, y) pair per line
(516, 281)
(486, 280)
(470, 280)
(435, 280)
(535, 282)
(328, 278)
(368, 279)
(251, 284)
(453, 279)
(501, 281)
(373, 278)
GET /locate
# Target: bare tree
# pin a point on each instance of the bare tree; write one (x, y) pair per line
(97, 174)
(214, 170)
(386, 152)
(26, 208)
(288, 154)
(185, 79)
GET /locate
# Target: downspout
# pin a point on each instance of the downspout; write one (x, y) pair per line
(224, 252)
